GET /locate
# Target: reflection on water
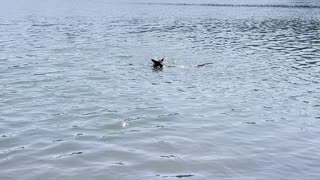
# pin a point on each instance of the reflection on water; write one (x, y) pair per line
(79, 98)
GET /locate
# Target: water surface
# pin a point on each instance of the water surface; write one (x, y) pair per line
(80, 100)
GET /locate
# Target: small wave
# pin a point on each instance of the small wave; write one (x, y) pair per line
(4, 24)
(238, 5)
(44, 25)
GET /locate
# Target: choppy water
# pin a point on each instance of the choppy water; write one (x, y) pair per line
(79, 99)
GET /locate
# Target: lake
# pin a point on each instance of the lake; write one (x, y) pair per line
(79, 99)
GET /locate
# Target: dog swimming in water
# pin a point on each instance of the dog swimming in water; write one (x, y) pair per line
(158, 64)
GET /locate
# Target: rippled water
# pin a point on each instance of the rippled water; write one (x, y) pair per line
(79, 99)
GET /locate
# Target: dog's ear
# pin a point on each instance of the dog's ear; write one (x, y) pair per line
(154, 61)
(162, 60)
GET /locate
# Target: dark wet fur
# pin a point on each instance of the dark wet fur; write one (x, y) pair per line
(157, 64)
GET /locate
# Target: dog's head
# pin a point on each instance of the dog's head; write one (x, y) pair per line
(157, 63)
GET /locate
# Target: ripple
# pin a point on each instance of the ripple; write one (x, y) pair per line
(70, 154)
(44, 25)
(79, 99)
(238, 5)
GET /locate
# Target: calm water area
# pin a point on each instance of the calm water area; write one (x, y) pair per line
(79, 99)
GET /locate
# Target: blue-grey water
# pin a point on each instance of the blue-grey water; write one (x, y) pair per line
(79, 99)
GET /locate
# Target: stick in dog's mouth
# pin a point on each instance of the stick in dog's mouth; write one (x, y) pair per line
(158, 64)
